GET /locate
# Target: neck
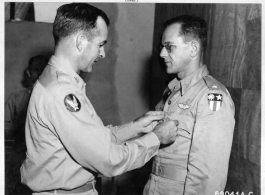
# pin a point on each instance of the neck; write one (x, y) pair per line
(65, 53)
(193, 66)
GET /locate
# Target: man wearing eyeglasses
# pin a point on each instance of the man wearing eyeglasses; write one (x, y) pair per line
(67, 143)
(197, 162)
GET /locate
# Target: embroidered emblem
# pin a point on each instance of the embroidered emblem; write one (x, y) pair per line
(72, 103)
(184, 106)
(215, 101)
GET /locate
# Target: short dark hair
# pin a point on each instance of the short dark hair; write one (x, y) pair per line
(71, 18)
(38, 61)
(36, 64)
(191, 27)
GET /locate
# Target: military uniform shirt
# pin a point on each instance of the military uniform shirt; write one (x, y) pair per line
(67, 142)
(197, 162)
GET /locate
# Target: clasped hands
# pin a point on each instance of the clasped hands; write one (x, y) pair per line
(164, 128)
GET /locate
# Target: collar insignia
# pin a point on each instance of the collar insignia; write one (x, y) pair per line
(72, 103)
(184, 106)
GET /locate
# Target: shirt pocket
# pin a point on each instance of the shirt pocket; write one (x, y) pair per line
(184, 134)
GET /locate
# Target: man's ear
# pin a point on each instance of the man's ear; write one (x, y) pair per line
(28, 73)
(195, 48)
(80, 38)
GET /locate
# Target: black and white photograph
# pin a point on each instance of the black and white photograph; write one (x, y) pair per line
(132, 98)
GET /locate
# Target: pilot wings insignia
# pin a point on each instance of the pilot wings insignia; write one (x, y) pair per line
(184, 106)
(72, 103)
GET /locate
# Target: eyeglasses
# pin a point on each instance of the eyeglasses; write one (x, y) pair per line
(168, 47)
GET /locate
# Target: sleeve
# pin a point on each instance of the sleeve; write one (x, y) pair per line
(90, 143)
(210, 148)
(10, 115)
(124, 132)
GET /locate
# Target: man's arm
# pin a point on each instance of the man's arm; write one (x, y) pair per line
(210, 148)
(139, 127)
(90, 143)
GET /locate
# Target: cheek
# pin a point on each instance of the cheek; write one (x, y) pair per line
(94, 54)
(180, 57)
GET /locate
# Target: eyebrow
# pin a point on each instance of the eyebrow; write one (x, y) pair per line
(168, 42)
(103, 42)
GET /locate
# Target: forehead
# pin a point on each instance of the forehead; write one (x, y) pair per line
(102, 29)
(171, 33)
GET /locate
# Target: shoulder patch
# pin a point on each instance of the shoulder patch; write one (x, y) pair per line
(215, 101)
(72, 103)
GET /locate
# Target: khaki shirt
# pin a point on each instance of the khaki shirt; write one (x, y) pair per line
(197, 162)
(67, 143)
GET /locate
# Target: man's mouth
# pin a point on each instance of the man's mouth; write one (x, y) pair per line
(95, 61)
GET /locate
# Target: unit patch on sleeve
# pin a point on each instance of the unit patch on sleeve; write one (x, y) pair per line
(215, 101)
(72, 103)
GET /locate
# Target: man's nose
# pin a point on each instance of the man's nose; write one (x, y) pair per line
(102, 53)
(163, 52)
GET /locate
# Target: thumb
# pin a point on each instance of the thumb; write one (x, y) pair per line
(150, 127)
(153, 124)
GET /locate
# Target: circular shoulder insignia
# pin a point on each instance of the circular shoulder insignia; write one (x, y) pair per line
(72, 103)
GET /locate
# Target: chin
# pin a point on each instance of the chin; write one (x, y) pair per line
(169, 71)
(89, 70)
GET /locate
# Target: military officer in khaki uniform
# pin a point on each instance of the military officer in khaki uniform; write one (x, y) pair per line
(67, 143)
(197, 162)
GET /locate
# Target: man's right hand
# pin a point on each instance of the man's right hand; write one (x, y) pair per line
(166, 131)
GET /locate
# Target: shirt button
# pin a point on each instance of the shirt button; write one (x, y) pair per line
(169, 102)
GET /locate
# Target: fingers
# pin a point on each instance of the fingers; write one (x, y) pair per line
(164, 120)
(153, 124)
(166, 131)
(150, 127)
(153, 113)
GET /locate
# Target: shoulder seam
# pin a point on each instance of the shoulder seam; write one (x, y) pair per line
(213, 84)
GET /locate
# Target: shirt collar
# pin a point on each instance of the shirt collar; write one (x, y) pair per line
(66, 68)
(174, 85)
(188, 81)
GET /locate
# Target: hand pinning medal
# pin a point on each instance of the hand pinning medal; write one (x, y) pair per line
(167, 119)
